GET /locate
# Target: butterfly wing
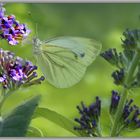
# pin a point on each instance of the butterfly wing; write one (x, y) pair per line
(64, 60)
(84, 48)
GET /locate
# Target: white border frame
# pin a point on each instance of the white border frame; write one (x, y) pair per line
(69, 1)
(72, 1)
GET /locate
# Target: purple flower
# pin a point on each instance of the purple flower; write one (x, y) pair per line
(89, 118)
(131, 113)
(131, 39)
(118, 76)
(17, 72)
(114, 101)
(113, 57)
(11, 29)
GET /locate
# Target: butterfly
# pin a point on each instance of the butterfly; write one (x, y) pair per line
(64, 60)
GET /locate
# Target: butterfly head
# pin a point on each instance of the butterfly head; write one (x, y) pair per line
(36, 42)
(36, 45)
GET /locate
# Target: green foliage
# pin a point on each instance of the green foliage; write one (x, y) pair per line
(105, 23)
(56, 118)
(35, 132)
(16, 123)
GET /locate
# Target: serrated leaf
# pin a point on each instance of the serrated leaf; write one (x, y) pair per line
(16, 123)
(57, 119)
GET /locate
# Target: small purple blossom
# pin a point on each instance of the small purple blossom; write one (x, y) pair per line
(89, 118)
(17, 74)
(17, 71)
(2, 78)
(11, 29)
(118, 76)
(114, 101)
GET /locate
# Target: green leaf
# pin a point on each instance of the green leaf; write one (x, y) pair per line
(57, 119)
(16, 123)
(35, 132)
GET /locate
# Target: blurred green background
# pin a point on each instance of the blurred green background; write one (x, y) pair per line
(103, 22)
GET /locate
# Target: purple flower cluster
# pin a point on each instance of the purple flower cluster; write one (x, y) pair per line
(131, 113)
(117, 59)
(118, 76)
(11, 29)
(131, 39)
(14, 71)
(89, 118)
(113, 57)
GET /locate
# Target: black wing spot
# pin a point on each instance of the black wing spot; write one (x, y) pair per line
(82, 54)
(76, 56)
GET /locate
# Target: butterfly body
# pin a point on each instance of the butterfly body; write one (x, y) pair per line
(36, 46)
(64, 60)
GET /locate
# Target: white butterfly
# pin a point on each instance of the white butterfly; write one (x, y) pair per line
(64, 60)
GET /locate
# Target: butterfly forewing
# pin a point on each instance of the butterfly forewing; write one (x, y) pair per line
(86, 48)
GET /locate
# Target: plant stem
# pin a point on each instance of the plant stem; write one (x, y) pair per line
(131, 69)
(2, 99)
(99, 129)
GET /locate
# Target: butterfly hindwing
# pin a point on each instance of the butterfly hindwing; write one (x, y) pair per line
(60, 67)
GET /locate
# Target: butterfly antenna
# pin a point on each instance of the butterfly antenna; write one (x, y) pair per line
(35, 26)
(36, 30)
(2, 3)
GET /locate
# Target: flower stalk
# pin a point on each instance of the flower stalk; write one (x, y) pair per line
(125, 92)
